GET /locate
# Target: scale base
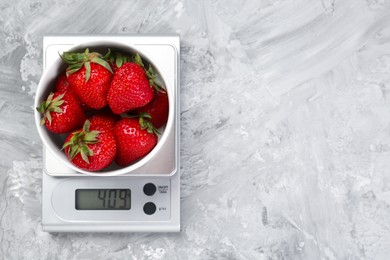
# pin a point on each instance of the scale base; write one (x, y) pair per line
(59, 213)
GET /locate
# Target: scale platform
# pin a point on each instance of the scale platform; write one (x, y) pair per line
(149, 196)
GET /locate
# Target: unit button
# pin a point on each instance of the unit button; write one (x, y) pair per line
(149, 208)
(150, 189)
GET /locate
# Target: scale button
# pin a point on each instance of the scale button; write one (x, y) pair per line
(149, 208)
(150, 189)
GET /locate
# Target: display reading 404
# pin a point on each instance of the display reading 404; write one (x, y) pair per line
(103, 199)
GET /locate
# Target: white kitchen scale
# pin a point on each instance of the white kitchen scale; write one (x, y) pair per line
(146, 199)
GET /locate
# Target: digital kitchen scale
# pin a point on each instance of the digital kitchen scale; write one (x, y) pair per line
(144, 200)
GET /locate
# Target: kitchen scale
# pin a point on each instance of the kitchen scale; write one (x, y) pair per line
(144, 200)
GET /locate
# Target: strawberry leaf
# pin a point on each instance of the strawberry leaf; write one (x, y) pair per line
(67, 58)
(58, 110)
(119, 60)
(84, 151)
(58, 103)
(75, 66)
(138, 60)
(68, 72)
(48, 116)
(50, 97)
(87, 66)
(91, 137)
(41, 108)
(103, 63)
(73, 151)
(108, 54)
(57, 98)
(112, 58)
(86, 126)
(67, 144)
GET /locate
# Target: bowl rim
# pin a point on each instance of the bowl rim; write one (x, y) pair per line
(47, 77)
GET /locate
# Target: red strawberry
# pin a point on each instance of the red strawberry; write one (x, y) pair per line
(62, 84)
(158, 109)
(131, 86)
(129, 89)
(103, 119)
(135, 138)
(89, 76)
(62, 112)
(92, 148)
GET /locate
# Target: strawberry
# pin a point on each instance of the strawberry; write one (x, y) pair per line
(131, 86)
(129, 89)
(91, 148)
(89, 76)
(135, 139)
(62, 112)
(62, 84)
(158, 109)
(103, 119)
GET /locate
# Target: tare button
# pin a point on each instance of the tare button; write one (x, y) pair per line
(150, 189)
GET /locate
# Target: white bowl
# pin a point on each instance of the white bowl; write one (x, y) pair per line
(54, 142)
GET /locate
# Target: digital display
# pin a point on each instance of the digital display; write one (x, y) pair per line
(103, 199)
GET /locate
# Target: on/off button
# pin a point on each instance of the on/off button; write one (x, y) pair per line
(150, 189)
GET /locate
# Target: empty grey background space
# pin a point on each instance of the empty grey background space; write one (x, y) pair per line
(285, 128)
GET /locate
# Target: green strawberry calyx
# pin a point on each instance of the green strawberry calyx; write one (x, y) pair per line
(76, 61)
(119, 59)
(144, 121)
(50, 105)
(78, 143)
(152, 76)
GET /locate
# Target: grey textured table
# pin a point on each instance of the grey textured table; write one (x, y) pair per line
(285, 128)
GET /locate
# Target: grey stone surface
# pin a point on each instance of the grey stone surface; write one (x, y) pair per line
(285, 128)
